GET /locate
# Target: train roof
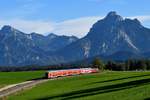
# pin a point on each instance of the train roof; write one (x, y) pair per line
(68, 69)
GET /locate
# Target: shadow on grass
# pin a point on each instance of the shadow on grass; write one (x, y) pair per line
(120, 79)
(98, 90)
(34, 79)
(147, 98)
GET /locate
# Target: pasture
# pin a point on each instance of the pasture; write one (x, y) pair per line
(100, 86)
(7, 78)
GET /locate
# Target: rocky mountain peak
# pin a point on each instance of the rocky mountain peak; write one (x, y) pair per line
(112, 13)
(7, 28)
(52, 36)
(113, 16)
(10, 31)
(137, 21)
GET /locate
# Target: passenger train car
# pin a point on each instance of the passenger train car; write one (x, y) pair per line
(70, 72)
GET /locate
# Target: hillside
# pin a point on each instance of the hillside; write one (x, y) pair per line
(8, 78)
(106, 85)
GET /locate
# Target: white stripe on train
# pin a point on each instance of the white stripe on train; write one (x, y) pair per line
(69, 72)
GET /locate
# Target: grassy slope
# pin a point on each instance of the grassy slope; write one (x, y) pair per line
(7, 78)
(102, 86)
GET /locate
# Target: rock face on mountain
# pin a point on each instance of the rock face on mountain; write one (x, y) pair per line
(108, 36)
(20, 49)
(52, 42)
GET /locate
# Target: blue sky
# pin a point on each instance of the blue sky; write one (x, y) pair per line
(68, 17)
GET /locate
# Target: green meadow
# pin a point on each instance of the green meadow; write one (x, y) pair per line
(7, 78)
(100, 86)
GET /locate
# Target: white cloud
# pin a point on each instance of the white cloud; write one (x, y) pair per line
(29, 26)
(78, 27)
(142, 18)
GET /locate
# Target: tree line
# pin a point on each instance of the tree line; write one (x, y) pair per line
(128, 65)
(37, 68)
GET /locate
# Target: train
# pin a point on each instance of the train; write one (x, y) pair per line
(70, 72)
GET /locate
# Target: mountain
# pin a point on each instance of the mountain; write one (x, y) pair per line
(20, 49)
(52, 42)
(107, 37)
(112, 38)
(123, 55)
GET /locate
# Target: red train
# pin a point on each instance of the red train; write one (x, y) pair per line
(69, 72)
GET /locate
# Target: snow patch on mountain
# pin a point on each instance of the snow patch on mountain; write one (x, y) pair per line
(87, 47)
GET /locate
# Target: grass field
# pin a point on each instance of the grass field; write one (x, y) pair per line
(7, 78)
(101, 86)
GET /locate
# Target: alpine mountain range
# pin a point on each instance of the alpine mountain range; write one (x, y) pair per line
(112, 38)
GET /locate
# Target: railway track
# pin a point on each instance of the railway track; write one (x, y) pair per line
(11, 89)
(4, 92)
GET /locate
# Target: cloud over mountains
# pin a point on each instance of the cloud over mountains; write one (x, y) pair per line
(78, 27)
